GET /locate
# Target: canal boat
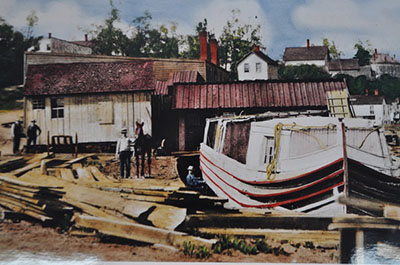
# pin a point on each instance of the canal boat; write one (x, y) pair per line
(300, 164)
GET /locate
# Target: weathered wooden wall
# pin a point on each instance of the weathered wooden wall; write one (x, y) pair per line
(95, 117)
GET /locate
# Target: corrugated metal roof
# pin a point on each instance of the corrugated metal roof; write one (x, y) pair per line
(252, 94)
(161, 87)
(77, 78)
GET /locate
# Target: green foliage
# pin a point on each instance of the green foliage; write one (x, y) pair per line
(200, 252)
(110, 40)
(305, 71)
(10, 99)
(236, 41)
(363, 53)
(333, 51)
(386, 85)
(13, 44)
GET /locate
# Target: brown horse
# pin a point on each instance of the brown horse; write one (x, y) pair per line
(143, 147)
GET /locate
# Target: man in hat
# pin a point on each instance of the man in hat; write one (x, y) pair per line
(191, 180)
(124, 152)
(33, 132)
(16, 133)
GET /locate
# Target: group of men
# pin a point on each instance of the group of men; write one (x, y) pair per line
(17, 132)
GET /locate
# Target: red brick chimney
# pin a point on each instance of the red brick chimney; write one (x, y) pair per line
(366, 91)
(376, 52)
(49, 35)
(308, 43)
(203, 45)
(376, 92)
(214, 51)
(86, 38)
(257, 48)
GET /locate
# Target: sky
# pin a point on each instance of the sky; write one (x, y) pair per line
(284, 23)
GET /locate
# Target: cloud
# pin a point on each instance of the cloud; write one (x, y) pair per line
(346, 22)
(218, 12)
(64, 19)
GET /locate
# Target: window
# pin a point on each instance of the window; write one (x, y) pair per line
(246, 68)
(269, 149)
(38, 103)
(371, 109)
(258, 67)
(57, 108)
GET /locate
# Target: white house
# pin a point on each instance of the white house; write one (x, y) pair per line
(371, 107)
(317, 55)
(55, 45)
(383, 63)
(257, 66)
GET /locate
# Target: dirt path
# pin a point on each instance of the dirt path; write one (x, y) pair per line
(25, 241)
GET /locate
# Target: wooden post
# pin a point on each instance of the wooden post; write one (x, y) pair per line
(76, 144)
(48, 142)
(345, 162)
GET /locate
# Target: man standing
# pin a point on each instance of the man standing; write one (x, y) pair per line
(33, 132)
(123, 152)
(16, 133)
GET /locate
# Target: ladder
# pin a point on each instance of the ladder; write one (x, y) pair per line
(338, 104)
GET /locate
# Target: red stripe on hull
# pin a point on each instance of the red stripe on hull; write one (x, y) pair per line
(271, 181)
(279, 193)
(272, 205)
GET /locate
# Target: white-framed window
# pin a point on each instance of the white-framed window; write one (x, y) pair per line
(246, 68)
(269, 151)
(258, 67)
(38, 103)
(371, 109)
(57, 108)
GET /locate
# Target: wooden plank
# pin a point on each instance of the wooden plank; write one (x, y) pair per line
(67, 174)
(76, 165)
(321, 238)
(139, 232)
(18, 181)
(84, 175)
(97, 174)
(79, 159)
(20, 171)
(167, 217)
(8, 162)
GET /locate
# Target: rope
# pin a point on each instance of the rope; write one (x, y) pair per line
(365, 138)
(271, 167)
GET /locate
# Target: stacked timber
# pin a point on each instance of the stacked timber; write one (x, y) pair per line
(80, 198)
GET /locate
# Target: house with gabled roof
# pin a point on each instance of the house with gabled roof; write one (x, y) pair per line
(317, 55)
(349, 67)
(373, 107)
(256, 65)
(94, 96)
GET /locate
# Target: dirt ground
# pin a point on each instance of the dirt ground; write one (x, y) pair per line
(46, 244)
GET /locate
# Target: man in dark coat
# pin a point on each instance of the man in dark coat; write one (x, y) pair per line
(33, 132)
(16, 133)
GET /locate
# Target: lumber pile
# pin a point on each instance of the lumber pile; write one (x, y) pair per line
(78, 197)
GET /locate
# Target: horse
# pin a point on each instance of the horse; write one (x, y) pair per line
(143, 148)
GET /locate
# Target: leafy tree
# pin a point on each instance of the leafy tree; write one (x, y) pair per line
(13, 44)
(110, 40)
(193, 43)
(363, 54)
(236, 41)
(305, 71)
(389, 86)
(333, 51)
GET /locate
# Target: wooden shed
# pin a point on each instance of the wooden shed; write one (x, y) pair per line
(193, 103)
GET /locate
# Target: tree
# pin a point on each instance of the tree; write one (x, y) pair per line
(363, 54)
(110, 40)
(333, 51)
(193, 43)
(305, 71)
(13, 44)
(236, 41)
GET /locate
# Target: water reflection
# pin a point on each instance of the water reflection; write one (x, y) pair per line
(22, 258)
